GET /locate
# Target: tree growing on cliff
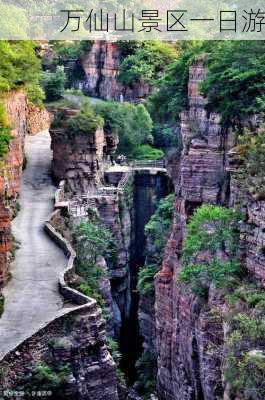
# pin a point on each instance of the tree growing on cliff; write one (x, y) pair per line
(132, 124)
(92, 240)
(86, 122)
(20, 68)
(147, 60)
(209, 249)
(235, 82)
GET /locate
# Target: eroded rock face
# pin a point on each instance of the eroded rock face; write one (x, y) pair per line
(101, 66)
(189, 334)
(82, 163)
(38, 119)
(10, 175)
(76, 341)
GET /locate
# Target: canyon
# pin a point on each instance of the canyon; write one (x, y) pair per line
(185, 336)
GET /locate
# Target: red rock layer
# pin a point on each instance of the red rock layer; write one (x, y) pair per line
(101, 66)
(189, 335)
(10, 175)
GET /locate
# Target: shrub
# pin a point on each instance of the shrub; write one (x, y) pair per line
(52, 378)
(147, 370)
(211, 229)
(171, 96)
(145, 282)
(113, 348)
(147, 152)
(20, 67)
(235, 80)
(84, 123)
(245, 360)
(132, 124)
(92, 240)
(148, 60)
(159, 224)
(5, 133)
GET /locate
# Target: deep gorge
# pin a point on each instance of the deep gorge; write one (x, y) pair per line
(160, 300)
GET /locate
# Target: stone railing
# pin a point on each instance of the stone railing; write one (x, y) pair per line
(81, 303)
(148, 164)
(124, 180)
(67, 292)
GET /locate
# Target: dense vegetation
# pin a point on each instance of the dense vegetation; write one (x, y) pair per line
(131, 123)
(5, 132)
(209, 250)
(156, 231)
(244, 357)
(19, 68)
(234, 84)
(144, 61)
(85, 122)
(92, 240)
(251, 152)
(54, 83)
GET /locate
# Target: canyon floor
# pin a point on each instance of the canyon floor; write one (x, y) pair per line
(31, 297)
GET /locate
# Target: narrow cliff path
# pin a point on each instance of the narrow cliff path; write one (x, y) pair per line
(31, 296)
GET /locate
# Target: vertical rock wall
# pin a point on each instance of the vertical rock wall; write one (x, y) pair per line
(101, 66)
(10, 174)
(190, 334)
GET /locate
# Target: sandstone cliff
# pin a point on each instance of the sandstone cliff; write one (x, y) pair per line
(190, 334)
(101, 66)
(84, 157)
(10, 177)
(24, 118)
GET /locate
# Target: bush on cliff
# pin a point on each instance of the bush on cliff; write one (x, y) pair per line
(147, 152)
(92, 240)
(209, 250)
(86, 122)
(5, 132)
(20, 67)
(235, 82)
(132, 124)
(251, 150)
(145, 62)
(171, 95)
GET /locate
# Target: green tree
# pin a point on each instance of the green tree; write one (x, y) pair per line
(20, 67)
(235, 81)
(53, 84)
(93, 239)
(132, 124)
(85, 122)
(147, 62)
(212, 231)
(156, 231)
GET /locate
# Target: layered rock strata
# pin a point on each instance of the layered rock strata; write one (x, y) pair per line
(82, 163)
(101, 66)
(10, 175)
(190, 334)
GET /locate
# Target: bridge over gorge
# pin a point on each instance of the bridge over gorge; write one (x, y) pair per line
(78, 205)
